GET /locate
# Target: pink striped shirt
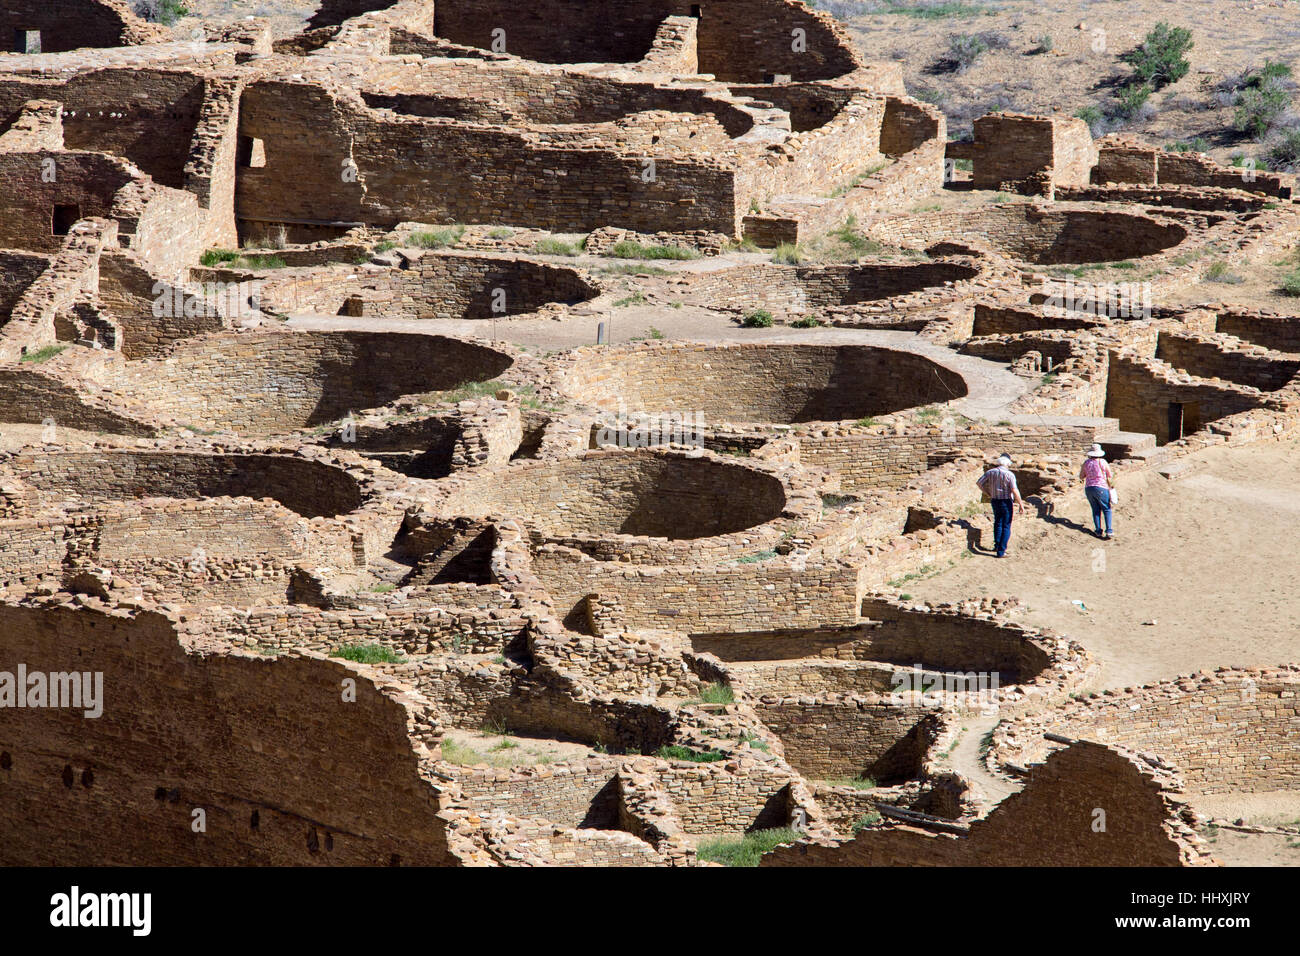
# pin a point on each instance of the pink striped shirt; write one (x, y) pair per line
(1096, 473)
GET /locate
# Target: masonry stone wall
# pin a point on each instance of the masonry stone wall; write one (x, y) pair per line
(1226, 731)
(799, 289)
(739, 597)
(307, 487)
(669, 496)
(1206, 357)
(82, 23)
(1048, 823)
(1015, 151)
(1139, 393)
(761, 383)
(83, 182)
(1042, 236)
(517, 180)
(740, 40)
(18, 270)
(449, 286)
(1279, 332)
(851, 736)
(257, 769)
(144, 114)
(226, 380)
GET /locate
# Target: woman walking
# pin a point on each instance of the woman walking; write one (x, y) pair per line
(1098, 485)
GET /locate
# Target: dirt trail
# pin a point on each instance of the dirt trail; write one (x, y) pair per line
(1210, 558)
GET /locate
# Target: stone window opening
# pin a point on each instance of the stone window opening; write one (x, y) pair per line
(63, 218)
(27, 41)
(251, 152)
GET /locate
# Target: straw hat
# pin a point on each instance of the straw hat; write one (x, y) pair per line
(1096, 452)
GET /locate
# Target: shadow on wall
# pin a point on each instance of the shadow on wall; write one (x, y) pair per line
(264, 383)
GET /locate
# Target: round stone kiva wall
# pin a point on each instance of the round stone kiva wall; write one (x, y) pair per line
(607, 493)
(264, 383)
(310, 488)
(779, 384)
(1046, 237)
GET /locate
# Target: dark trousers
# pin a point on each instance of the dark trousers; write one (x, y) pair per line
(1003, 508)
(1099, 498)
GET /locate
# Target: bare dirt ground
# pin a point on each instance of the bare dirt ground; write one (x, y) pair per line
(1210, 558)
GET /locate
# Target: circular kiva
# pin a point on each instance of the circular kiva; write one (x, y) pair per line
(634, 493)
(779, 384)
(1055, 236)
(266, 383)
(312, 489)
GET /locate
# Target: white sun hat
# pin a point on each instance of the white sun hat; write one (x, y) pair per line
(1004, 460)
(1096, 452)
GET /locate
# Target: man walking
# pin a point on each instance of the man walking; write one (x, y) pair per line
(1099, 486)
(1000, 485)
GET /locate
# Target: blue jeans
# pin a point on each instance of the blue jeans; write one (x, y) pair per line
(1003, 509)
(1099, 498)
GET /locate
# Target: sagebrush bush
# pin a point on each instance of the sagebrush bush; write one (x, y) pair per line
(964, 49)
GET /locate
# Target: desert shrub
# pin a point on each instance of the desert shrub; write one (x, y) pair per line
(1132, 99)
(166, 12)
(1284, 153)
(964, 49)
(758, 319)
(1221, 272)
(1258, 108)
(1160, 59)
(1093, 116)
(1291, 284)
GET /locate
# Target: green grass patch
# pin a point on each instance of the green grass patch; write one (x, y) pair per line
(787, 254)
(678, 752)
(43, 354)
(1291, 284)
(636, 298)
(555, 247)
(367, 654)
(935, 11)
(624, 269)
(746, 850)
(866, 820)
(717, 693)
(628, 249)
(807, 322)
(437, 238)
(1221, 272)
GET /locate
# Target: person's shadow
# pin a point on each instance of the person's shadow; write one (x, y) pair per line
(1047, 512)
